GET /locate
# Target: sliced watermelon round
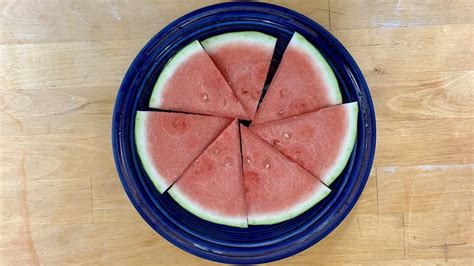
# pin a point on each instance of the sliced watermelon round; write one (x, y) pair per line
(167, 143)
(303, 82)
(212, 187)
(276, 189)
(299, 142)
(320, 141)
(190, 82)
(243, 59)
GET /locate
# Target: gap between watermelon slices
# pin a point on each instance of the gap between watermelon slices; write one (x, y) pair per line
(303, 82)
(321, 141)
(190, 82)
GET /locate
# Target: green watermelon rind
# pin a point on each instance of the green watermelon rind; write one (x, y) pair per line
(317, 58)
(347, 146)
(289, 213)
(204, 213)
(244, 36)
(147, 163)
(169, 70)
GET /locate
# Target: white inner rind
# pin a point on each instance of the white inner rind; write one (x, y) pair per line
(291, 212)
(169, 69)
(258, 38)
(329, 77)
(348, 142)
(204, 213)
(141, 141)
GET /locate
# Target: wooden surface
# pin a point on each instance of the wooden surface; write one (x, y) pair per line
(61, 66)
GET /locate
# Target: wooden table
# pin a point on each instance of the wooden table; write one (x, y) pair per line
(61, 66)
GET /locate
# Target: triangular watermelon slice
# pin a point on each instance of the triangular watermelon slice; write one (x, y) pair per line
(167, 143)
(190, 82)
(243, 59)
(320, 141)
(212, 188)
(276, 189)
(304, 82)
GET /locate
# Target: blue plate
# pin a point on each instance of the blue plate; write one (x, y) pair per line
(256, 244)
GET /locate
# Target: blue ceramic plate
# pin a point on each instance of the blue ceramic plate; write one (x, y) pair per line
(256, 244)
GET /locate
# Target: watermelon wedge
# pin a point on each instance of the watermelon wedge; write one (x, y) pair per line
(304, 82)
(243, 59)
(212, 187)
(320, 141)
(190, 82)
(276, 189)
(167, 143)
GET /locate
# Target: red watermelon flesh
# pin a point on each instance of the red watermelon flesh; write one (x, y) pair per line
(276, 188)
(320, 141)
(304, 82)
(243, 59)
(167, 143)
(212, 187)
(190, 82)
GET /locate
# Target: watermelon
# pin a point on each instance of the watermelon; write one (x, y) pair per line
(299, 142)
(243, 59)
(320, 141)
(212, 187)
(276, 189)
(190, 82)
(167, 143)
(303, 82)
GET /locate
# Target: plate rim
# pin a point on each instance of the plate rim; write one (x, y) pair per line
(173, 237)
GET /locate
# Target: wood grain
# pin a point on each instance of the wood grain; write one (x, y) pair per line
(403, 262)
(61, 64)
(99, 243)
(437, 48)
(110, 204)
(348, 14)
(46, 202)
(445, 234)
(51, 157)
(432, 95)
(87, 64)
(425, 188)
(422, 142)
(76, 21)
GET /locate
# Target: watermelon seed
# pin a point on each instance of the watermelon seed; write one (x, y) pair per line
(281, 112)
(276, 142)
(205, 97)
(286, 135)
(267, 163)
(248, 160)
(228, 161)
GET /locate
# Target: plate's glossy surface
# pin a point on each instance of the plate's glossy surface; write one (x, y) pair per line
(255, 244)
